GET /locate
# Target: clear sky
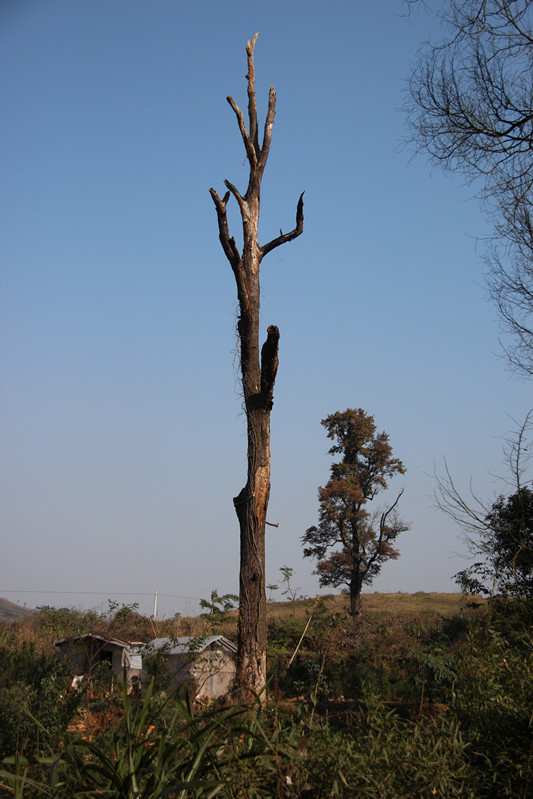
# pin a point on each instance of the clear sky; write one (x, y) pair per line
(123, 439)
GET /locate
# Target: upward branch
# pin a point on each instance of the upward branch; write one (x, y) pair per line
(228, 242)
(251, 138)
(283, 238)
(252, 105)
(251, 152)
(269, 124)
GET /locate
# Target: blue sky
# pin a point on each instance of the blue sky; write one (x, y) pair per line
(122, 433)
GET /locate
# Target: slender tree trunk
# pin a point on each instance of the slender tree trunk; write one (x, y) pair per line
(251, 507)
(258, 371)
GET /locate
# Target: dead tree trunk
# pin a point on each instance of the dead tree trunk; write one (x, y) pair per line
(258, 372)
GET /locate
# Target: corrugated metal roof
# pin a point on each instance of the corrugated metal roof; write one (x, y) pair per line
(187, 644)
(101, 638)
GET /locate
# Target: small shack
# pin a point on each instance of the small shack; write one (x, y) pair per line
(86, 652)
(208, 663)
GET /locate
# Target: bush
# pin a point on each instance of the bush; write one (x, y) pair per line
(494, 704)
(33, 696)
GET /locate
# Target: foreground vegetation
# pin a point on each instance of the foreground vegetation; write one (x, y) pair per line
(424, 697)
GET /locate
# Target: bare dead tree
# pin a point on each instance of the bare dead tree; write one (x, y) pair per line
(470, 108)
(470, 512)
(509, 261)
(258, 372)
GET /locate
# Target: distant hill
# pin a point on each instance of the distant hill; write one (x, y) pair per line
(11, 612)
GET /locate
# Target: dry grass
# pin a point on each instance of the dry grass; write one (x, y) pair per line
(398, 607)
(398, 604)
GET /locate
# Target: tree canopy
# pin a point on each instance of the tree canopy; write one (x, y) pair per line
(350, 542)
(506, 547)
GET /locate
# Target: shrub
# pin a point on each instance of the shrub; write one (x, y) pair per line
(494, 704)
(32, 696)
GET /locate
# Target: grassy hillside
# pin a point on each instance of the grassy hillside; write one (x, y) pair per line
(9, 611)
(389, 604)
(398, 604)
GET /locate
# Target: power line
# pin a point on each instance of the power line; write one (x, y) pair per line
(97, 593)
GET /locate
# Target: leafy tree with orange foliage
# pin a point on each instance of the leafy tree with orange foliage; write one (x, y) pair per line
(361, 540)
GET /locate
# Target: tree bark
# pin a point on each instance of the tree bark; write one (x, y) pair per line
(356, 585)
(258, 372)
